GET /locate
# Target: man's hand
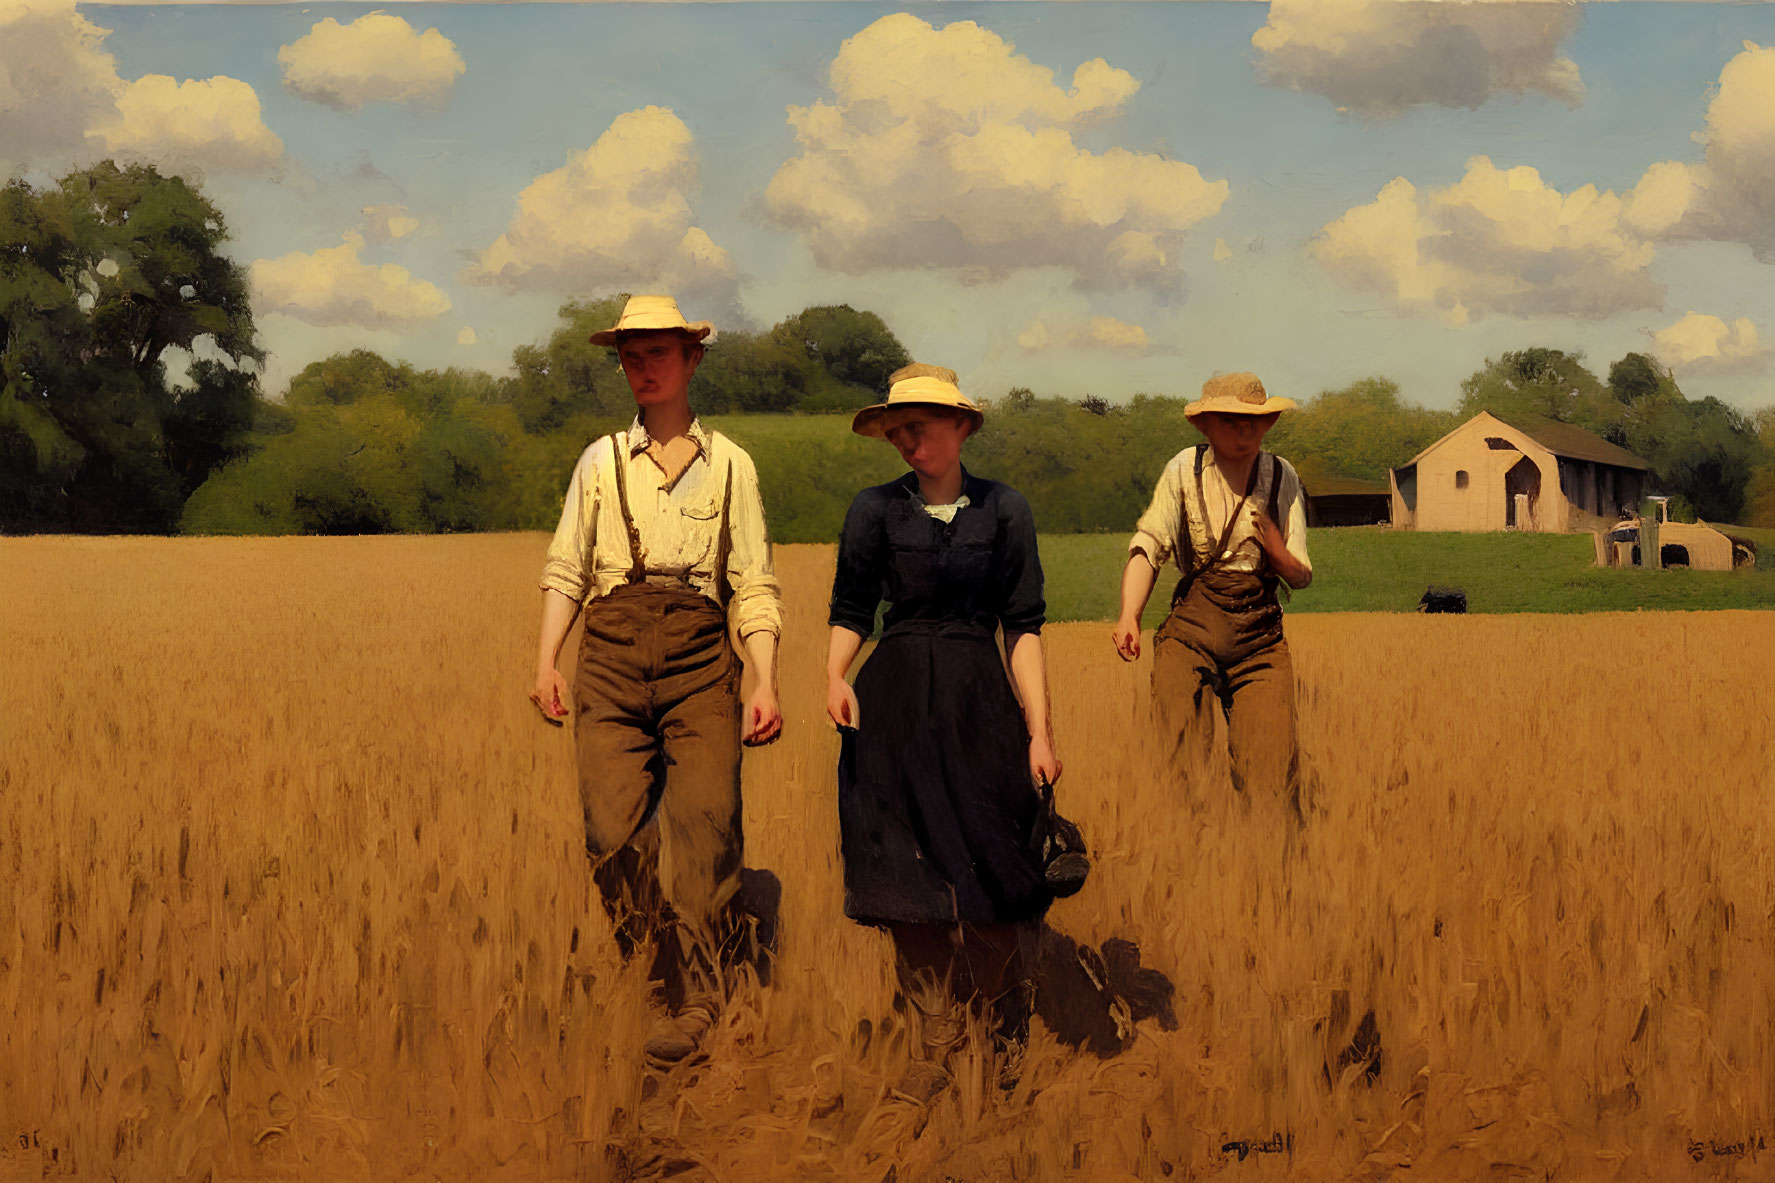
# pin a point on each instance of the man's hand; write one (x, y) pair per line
(551, 695)
(1269, 535)
(1126, 635)
(1044, 765)
(841, 703)
(763, 720)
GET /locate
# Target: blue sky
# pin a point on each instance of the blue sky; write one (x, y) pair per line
(1033, 286)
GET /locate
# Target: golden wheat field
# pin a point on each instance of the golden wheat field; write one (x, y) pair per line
(294, 889)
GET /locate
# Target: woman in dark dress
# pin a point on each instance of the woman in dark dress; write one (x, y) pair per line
(942, 757)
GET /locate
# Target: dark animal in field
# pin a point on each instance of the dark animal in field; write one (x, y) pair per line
(1443, 599)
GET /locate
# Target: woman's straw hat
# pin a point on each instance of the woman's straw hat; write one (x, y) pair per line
(1239, 393)
(649, 314)
(917, 385)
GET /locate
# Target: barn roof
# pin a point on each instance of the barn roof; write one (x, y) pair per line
(1343, 486)
(1562, 439)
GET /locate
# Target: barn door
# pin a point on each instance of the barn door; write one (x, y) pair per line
(1522, 493)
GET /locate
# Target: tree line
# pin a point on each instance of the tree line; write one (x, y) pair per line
(105, 273)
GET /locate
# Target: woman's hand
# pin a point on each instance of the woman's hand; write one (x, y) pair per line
(1126, 635)
(763, 718)
(550, 694)
(841, 703)
(1044, 765)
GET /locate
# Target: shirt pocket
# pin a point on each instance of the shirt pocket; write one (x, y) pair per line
(698, 530)
(700, 511)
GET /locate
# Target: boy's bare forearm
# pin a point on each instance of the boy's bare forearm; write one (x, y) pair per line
(558, 614)
(761, 656)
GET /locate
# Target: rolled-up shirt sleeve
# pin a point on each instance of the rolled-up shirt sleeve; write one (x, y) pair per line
(1024, 610)
(568, 566)
(1294, 524)
(757, 603)
(1156, 534)
(862, 556)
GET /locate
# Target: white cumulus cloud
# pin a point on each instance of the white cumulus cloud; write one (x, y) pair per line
(466, 335)
(334, 286)
(378, 58)
(947, 148)
(388, 221)
(63, 104)
(1700, 344)
(617, 215)
(1100, 333)
(1381, 57)
(1730, 195)
(1498, 241)
(213, 123)
(56, 82)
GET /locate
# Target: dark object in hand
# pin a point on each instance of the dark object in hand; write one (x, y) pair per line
(1443, 599)
(1061, 848)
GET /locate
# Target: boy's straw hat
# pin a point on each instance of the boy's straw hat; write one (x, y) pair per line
(1239, 393)
(648, 314)
(917, 385)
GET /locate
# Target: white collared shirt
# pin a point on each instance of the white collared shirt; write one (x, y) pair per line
(679, 522)
(1161, 527)
(943, 513)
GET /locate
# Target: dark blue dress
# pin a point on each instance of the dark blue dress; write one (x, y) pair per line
(934, 797)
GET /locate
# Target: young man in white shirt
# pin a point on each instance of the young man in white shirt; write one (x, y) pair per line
(1233, 518)
(662, 542)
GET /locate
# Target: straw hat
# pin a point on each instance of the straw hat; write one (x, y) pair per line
(1239, 393)
(648, 314)
(917, 385)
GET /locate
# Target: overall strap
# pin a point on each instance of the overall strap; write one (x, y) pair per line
(1275, 504)
(723, 540)
(637, 556)
(1214, 556)
(1201, 500)
(1232, 518)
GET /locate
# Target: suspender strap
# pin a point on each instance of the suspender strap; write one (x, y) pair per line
(637, 556)
(724, 540)
(1214, 556)
(1275, 485)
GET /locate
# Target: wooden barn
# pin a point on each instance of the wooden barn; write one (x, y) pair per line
(1346, 501)
(1525, 474)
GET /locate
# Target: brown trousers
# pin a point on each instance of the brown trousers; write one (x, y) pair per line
(1221, 651)
(657, 729)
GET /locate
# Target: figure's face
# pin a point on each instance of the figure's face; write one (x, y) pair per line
(658, 366)
(1235, 437)
(929, 438)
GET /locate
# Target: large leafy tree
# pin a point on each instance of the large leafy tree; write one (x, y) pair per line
(362, 445)
(1759, 494)
(1548, 383)
(100, 276)
(856, 351)
(567, 377)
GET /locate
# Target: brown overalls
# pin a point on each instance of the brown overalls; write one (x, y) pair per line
(1221, 650)
(657, 730)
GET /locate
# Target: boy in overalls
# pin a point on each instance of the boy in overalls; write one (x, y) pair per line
(1233, 519)
(662, 541)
